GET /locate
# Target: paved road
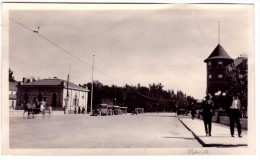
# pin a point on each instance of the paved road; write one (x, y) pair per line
(161, 130)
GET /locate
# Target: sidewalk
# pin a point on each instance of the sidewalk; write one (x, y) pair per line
(220, 134)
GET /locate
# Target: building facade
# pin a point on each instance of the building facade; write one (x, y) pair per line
(12, 94)
(57, 93)
(241, 64)
(218, 63)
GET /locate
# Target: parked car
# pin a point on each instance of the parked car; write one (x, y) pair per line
(96, 112)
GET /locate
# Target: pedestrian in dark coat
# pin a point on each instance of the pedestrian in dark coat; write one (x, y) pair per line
(193, 113)
(207, 113)
(75, 110)
(83, 110)
(79, 110)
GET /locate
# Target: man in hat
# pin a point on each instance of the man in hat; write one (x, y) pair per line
(207, 113)
(234, 115)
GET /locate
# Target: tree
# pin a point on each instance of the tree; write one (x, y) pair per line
(11, 76)
(152, 98)
(33, 79)
(237, 82)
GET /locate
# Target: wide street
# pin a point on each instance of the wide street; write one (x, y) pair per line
(149, 130)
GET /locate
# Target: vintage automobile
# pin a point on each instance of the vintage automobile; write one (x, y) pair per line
(106, 109)
(96, 112)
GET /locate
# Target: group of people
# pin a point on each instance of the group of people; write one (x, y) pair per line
(78, 110)
(36, 107)
(37, 104)
(233, 112)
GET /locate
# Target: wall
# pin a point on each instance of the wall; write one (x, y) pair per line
(34, 91)
(225, 121)
(80, 96)
(215, 84)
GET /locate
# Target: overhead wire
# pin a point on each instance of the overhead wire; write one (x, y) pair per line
(57, 46)
(68, 53)
(51, 42)
(21, 24)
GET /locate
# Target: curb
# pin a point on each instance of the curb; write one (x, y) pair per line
(197, 137)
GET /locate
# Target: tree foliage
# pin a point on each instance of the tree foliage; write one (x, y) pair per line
(11, 76)
(152, 98)
(237, 82)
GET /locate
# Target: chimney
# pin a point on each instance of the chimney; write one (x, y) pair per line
(24, 80)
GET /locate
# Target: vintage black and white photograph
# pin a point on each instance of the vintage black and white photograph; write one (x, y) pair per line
(128, 79)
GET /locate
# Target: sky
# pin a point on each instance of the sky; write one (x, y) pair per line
(131, 44)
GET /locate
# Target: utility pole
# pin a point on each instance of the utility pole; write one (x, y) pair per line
(91, 103)
(67, 96)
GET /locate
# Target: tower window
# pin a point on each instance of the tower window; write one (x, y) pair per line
(220, 76)
(209, 63)
(210, 76)
(220, 64)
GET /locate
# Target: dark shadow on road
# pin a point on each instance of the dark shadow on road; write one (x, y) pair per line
(225, 145)
(219, 136)
(229, 146)
(181, 138)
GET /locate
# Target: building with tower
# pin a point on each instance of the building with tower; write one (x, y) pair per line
(218, 63)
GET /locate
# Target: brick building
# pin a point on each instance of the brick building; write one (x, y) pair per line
(54, 91)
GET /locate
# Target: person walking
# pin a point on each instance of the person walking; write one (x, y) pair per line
(193, 113)
(75, 110)
(42, 106)
(83, 110)
(207, 113)
(234, 115)
(79, 110)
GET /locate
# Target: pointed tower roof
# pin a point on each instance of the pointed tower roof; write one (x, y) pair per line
(218, 53)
